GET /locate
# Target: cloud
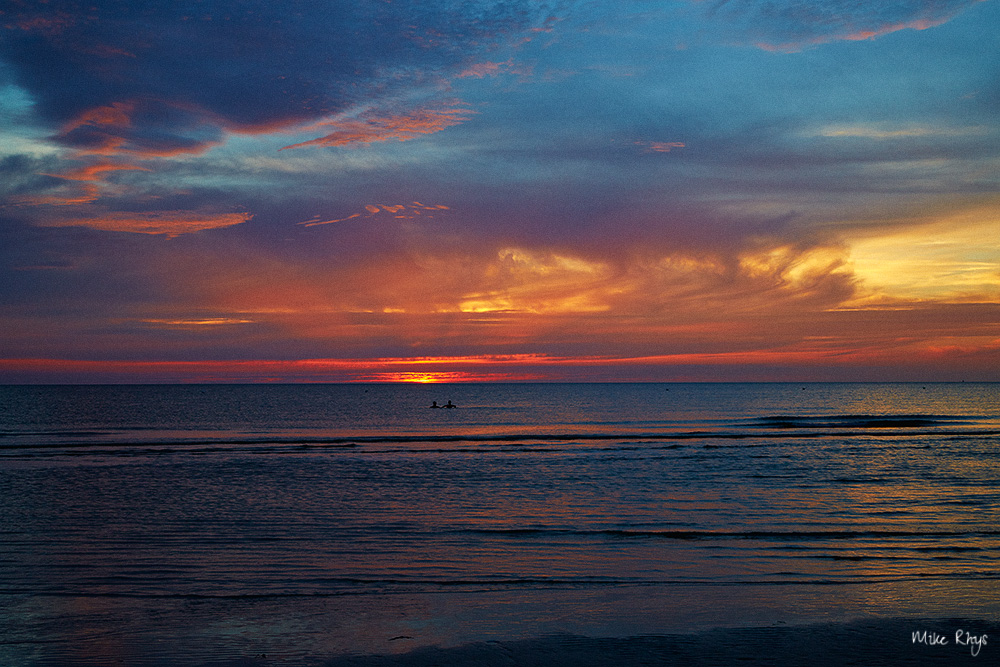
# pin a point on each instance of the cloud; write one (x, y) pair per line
(521, 295)
(96, 171)
(168, 223)
(949, 256)
(520, 280)
(104, 140)
(659, 146)
(250, 64)
(891, 131)
(489, 68)
(792, 25)
(396, 211)
(73, 194)
(372, 127)
(196, 322)
(157, 84)
(81, 185)
(142, 128)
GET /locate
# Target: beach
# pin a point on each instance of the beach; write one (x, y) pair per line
(876, 643)
(487, 630)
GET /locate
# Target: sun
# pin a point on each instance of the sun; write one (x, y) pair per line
(421, 377)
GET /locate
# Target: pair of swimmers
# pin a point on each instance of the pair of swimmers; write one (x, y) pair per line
(449, 404)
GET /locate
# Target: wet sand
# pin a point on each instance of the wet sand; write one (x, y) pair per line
(878, 642)
(751, 625)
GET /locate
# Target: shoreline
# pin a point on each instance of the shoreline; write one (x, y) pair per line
(754, 625)
(872, 642)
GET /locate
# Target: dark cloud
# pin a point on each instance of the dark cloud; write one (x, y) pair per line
(144, 128)
(20, 175)
(122, 86)
(248, 64)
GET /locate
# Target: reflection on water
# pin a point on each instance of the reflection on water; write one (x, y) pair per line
(197, 518)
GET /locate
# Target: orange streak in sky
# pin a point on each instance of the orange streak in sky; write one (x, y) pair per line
(476, 368)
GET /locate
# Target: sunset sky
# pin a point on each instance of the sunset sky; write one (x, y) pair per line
(420, 190)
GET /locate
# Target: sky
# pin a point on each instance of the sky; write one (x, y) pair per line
(509, 190)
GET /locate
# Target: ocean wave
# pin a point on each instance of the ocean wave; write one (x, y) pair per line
(341, 587)
(694, 535)
(863, 421)
(713, 436)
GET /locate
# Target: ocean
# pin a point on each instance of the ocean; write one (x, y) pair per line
(338, 524)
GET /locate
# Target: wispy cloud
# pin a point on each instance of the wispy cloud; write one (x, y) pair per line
(141, 128)
(791, 25)
(896, 131)
(197, 322)
(159, 85)
(659, 146)
(396, 211)
(951, 256)
(168, 223)
(373, 127)
(489, 68)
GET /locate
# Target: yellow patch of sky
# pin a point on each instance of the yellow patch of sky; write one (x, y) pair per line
(793, 265)
(540, 282)
(887, 131)
(954, 257)
(203, 322)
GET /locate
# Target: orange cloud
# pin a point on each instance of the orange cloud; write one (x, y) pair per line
(659, 146)
(638, 313)
(169, 223)
(371, 128)
(505, 368)
(359, 370)
(95, 171)
(400, 211)
(103, 132)
(202, 322)
(71, 195)
(116, 114)
(113, 129)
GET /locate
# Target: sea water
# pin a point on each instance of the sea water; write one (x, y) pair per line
(145, 525)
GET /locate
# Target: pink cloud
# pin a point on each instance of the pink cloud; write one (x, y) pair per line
(54, 24)
(659, 146)
(488, 68)
(370, 128)
(852, 35)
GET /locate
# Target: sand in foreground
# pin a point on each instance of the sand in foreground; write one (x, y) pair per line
(868, 642)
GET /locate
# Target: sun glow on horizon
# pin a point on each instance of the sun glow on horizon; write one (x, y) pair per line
(419, 378)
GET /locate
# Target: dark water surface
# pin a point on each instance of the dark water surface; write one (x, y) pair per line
(146, 525)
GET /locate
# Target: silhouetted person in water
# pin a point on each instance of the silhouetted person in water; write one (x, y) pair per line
(449, 404)
(435, 405)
